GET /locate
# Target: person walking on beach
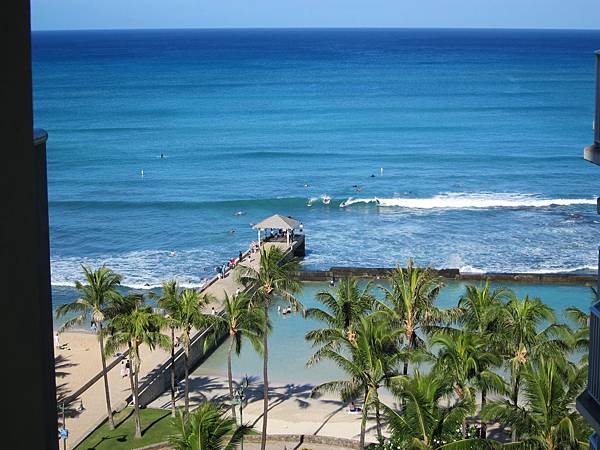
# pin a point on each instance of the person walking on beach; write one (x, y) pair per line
(301, 227)
(123, 370)
(56, 340)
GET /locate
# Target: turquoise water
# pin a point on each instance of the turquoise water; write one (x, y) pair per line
(288, 351)
(479, 134)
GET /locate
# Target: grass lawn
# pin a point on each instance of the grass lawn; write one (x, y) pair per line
(157, 426)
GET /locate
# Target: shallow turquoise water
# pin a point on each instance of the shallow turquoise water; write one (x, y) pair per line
(289, 351)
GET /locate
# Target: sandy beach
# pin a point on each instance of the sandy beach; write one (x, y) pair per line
(76, 364)
(292, 408)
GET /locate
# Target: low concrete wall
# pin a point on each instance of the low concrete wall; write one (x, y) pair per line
(452, 274)
(306, 439)
(158, 381)
(300, 439)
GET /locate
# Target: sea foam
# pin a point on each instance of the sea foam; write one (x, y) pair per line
(470, 201)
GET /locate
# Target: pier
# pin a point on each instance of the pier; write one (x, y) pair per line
(85, 386)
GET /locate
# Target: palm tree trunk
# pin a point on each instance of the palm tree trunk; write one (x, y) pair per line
(111, 422)
(378, 419)
(483, 425)
(263, 440)
(230, 378)
(173, 372)
(136, 404)
(133, 397)
(363, 424)
(515, 399)
(186, 391)
(409, 346)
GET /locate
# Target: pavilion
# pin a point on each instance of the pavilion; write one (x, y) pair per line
(276, 222)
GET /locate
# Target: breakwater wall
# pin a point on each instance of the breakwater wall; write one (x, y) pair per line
(451, 274)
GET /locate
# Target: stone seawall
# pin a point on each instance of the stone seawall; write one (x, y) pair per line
(451, 274)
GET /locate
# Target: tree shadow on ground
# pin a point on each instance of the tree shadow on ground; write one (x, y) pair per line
(277, 396)
(155, 421)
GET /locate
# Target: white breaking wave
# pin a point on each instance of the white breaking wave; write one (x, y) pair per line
(142, 269)
(470, 201)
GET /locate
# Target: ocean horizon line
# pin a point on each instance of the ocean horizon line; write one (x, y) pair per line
(225, 28)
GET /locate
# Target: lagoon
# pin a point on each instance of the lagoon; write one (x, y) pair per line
(288, 351)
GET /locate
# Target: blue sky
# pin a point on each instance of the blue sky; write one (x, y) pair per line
(106, 14)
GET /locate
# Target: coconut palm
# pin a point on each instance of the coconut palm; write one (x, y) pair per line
(463, 356)
(370, 360)
(208, 428)
(100, 289)
(547, 420)
(410, 304)
(480, 308)
(273, 279)
(239, 320)
(140, 326)
(424, 423)
(170, 301)
(343, 309)
(185, 313)
(529, 331)
(581, 334)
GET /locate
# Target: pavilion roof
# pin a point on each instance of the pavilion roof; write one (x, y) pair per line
(277, 221)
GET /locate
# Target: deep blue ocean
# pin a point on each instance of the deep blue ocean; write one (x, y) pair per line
(470, 140)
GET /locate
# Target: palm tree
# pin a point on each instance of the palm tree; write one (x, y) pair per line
(547, 420)
(425, 424)
(410, 304)
(464, 357)
(581, 335)
(208, 428)
(370, 361)
(529, 332)
(480, 307)
(185, 313)
(344, 308)
(135, 328)
(240, 321)
(170, 300)
(100, 289)
(272, 279)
